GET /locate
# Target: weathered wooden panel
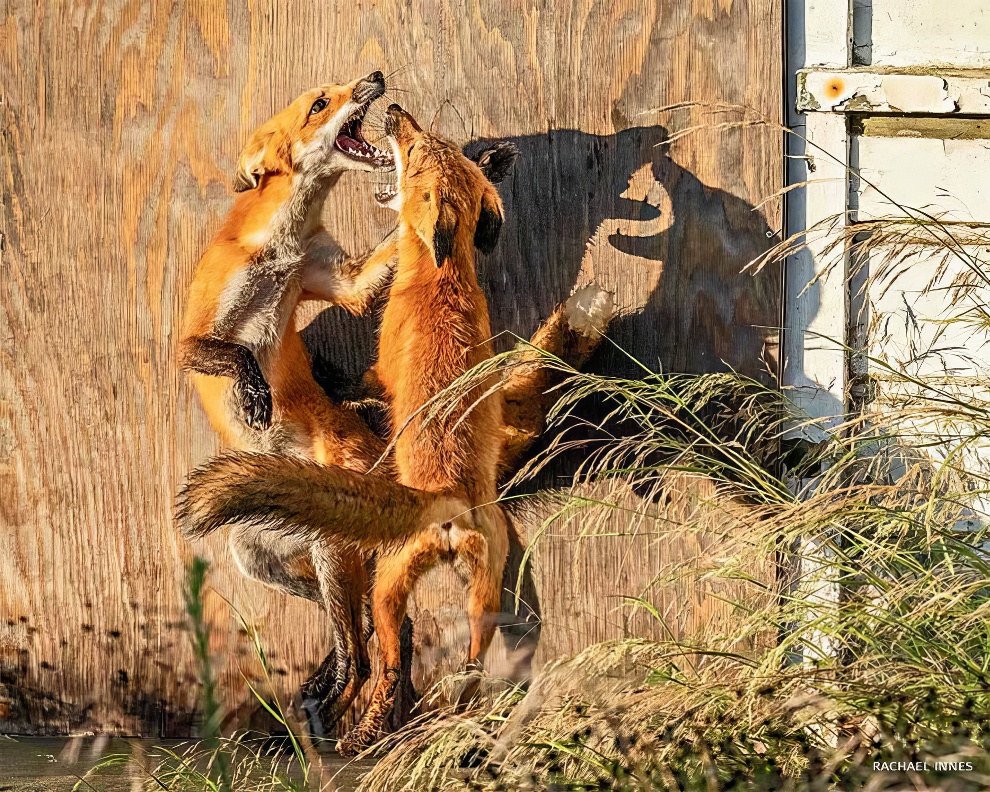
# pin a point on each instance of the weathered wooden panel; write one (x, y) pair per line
(929, 32)
(939, 178)
(121, 125)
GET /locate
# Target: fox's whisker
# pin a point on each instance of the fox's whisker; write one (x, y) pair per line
(436, 116)
(397, 70)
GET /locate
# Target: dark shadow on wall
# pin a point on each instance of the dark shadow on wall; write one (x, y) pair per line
(569, 189)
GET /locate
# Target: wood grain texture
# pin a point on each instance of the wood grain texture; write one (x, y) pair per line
(121, 123)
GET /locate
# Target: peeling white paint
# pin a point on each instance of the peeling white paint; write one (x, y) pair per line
(894, 57)
(917, 94)
(884, 91)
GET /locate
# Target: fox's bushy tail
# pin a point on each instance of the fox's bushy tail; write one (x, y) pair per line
(300, 497)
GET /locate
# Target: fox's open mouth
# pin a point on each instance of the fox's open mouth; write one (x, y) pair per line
(350, 140)
(386, 193)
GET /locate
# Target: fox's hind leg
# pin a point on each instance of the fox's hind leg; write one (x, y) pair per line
(395, 577)
(344, 583)
(319, 684)
(337, 580)
(317, 689)
(277, 561)
(483, 554)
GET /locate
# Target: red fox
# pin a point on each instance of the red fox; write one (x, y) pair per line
(435, 327)
(247, 359)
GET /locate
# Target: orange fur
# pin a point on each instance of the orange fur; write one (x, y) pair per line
(282, 178)
(435, 328)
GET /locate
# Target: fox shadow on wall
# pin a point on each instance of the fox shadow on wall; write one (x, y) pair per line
(673, 249)
(640, 225)
(617, 210)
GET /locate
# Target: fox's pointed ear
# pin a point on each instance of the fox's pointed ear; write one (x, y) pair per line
(489, 222)
(496, 160)
(251, 165)
(444, 233)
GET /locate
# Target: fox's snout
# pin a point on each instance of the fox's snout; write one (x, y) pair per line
(392, 116)
(399, 122)
(369, 88)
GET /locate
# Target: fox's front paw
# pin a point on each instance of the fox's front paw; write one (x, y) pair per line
(256, 402)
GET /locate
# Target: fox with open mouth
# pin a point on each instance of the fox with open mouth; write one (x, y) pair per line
(248, 360)
(255, 380)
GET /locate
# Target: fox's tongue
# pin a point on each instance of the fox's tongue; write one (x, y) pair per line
(351, 141)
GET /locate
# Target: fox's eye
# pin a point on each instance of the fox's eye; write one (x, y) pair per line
(318, 106)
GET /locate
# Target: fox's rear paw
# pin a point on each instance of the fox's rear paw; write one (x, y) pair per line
(322, 714)
(356, 740)
(256, 402)
(322, 680)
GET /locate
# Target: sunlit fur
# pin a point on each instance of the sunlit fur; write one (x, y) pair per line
(270, 253)
(434, 329)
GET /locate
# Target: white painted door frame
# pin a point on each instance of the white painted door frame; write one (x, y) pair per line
(831, 81)
(825, 89)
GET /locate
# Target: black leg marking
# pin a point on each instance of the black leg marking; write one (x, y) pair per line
(218, 358)
(406, 697)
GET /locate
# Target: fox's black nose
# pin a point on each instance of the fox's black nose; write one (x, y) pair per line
(397, 118)
(370, 87)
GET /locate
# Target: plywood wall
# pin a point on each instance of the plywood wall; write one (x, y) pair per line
(121, 122)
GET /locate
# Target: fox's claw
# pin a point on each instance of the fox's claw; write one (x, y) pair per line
(256, 402)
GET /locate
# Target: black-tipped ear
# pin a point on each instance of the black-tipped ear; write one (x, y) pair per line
(495, 159)
(251, 163)
(489, 223)
(444, 233)
(245, 180)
